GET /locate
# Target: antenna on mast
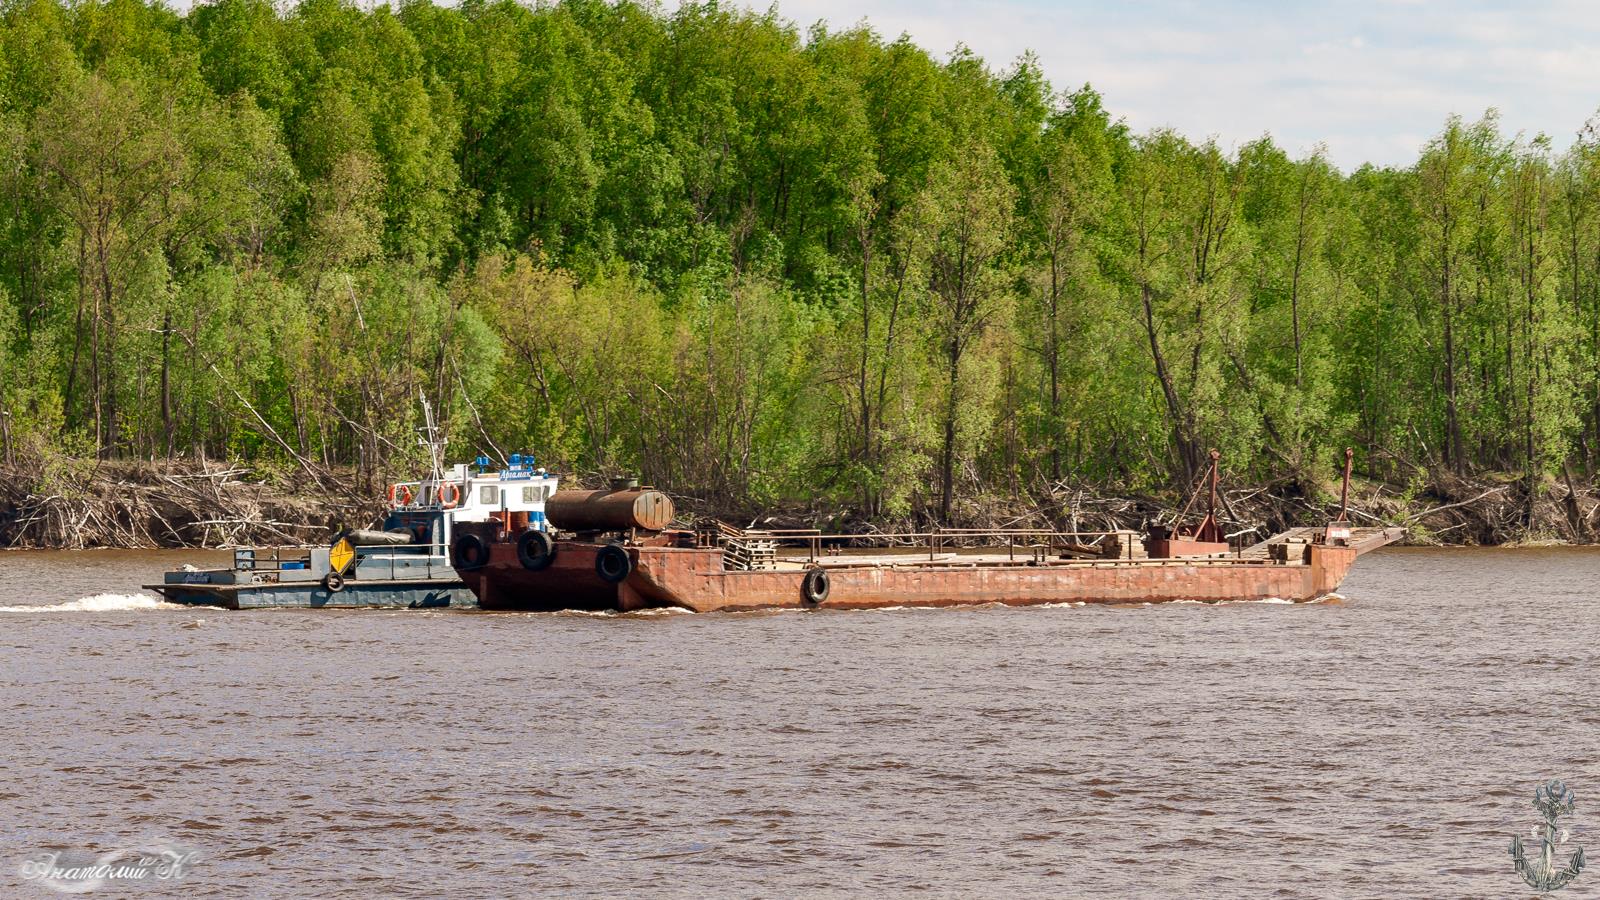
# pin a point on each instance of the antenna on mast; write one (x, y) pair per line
(431, 439)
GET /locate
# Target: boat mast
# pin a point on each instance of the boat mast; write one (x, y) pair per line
(431, 440)
(1344, 487)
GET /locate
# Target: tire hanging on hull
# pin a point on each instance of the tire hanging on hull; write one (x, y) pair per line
(613, 564)
(535, 550)
(814, 587)
(469, 553)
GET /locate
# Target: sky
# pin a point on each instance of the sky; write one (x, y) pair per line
(1369, 81)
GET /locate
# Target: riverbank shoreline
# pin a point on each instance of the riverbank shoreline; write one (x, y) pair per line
(75, 504)
(195, 504)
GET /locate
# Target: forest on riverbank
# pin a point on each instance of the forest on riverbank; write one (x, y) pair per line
(755, 263)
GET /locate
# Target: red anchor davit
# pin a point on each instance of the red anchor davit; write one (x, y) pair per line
(618, 549)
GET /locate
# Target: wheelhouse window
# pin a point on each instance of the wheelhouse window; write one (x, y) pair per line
(489, 495)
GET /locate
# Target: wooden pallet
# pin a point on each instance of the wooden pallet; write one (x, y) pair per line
(749, 553)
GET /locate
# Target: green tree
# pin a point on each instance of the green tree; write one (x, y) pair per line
(967, 213)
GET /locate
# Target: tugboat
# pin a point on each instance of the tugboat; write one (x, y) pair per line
(618, 550)
(402, 564)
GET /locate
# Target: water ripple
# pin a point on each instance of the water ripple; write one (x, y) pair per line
(1382, 744)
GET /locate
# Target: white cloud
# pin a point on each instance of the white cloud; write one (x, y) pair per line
(1371, 80)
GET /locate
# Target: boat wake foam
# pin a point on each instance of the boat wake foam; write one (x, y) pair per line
(615, 614)
(1264, 601)
(99, 603)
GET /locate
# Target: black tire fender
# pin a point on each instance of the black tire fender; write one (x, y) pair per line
(469, 553)
(535, 550)
(333, 582)
(814, 587)
(613, 564)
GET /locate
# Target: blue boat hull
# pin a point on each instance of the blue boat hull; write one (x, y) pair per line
(407, 594)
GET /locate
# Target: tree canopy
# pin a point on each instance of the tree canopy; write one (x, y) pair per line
(751, 262)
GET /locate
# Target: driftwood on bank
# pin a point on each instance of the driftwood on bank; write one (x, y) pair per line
(144, 505)
(209, 504)
(1440, 509)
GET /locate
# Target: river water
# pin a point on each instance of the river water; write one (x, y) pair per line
(1386, 744)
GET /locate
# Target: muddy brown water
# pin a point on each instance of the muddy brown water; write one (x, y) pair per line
(1384, 745)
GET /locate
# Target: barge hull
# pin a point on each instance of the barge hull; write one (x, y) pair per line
(569, 582)
(664, 578)
(695, 579)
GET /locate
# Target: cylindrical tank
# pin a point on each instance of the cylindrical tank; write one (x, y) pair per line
(642, 508)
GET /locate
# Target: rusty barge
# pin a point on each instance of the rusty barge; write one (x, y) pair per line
(619, 550)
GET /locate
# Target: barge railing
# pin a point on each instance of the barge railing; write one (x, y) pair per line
(1038, 542)
(369, 559)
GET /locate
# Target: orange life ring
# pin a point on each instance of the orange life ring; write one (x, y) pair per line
(399, 495)
(449, 495)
